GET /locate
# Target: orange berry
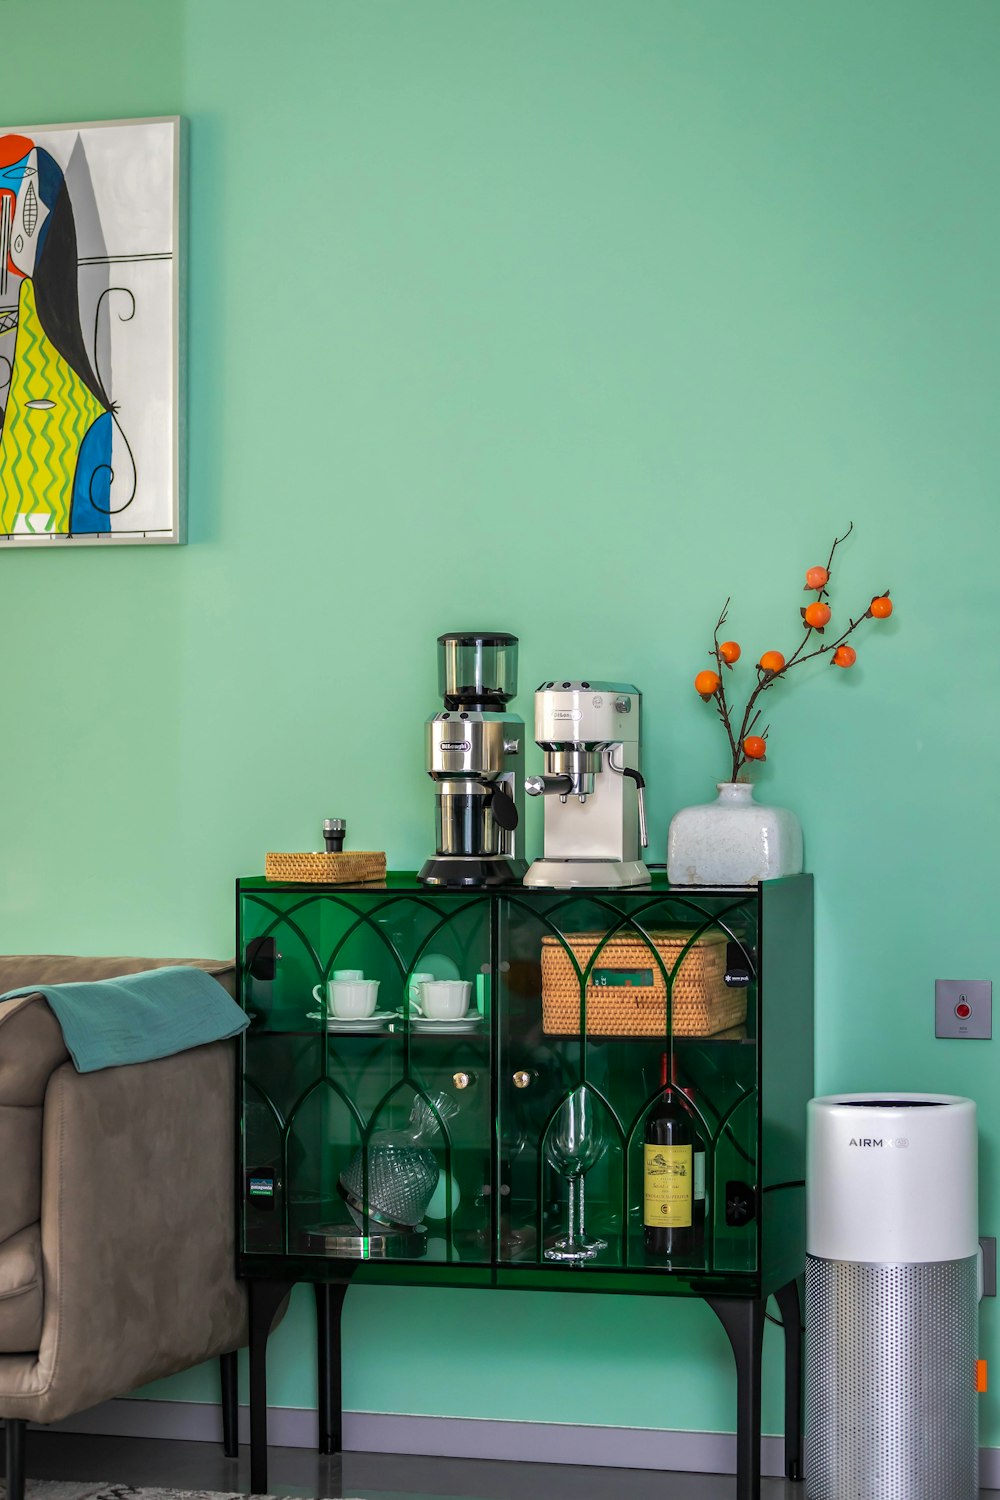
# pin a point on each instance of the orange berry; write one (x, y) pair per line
(772, 661)
(817, 578)
(754, 747)
(881, 607)
(816, 615)
(707, 683)
(730, 652)
(845, 656)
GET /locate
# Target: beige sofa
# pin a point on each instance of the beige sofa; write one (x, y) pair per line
(117, 1213)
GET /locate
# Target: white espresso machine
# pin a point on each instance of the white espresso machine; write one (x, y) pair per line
(595, 818)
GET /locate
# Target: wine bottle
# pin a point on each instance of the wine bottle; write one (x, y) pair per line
(673, 1217)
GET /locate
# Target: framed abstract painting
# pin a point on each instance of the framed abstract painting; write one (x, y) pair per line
(90, 320)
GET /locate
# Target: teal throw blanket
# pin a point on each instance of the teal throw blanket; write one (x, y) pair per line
(108, 1023)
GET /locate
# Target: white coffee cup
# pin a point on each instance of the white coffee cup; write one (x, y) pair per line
(445, 999)
(414, 985)
(349, 999)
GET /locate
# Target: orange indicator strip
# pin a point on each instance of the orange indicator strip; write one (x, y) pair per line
(980, 1375)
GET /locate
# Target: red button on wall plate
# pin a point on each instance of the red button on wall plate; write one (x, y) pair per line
(963, 1009)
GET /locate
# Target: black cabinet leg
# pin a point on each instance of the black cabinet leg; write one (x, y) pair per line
(265, 1299)
(329, 1306)
(790, 1308)
(743, 1320)
(15, 1457)
(229, 1373)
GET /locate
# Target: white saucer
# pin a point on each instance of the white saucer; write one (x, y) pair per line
(375, 1022)
(434, 1023)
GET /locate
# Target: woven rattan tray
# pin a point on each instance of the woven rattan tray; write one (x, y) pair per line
(352, 867)
(701, 1001)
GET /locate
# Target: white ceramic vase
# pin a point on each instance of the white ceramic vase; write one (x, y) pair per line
(733, 840)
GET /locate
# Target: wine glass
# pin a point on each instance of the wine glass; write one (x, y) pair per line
(576, 1142)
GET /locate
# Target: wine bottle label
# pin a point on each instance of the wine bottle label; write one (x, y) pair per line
(668, 1173)
(699, 1175)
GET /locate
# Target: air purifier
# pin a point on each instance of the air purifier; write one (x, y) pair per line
(892, 1292)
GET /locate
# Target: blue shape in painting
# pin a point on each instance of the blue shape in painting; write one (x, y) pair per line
(92, 482)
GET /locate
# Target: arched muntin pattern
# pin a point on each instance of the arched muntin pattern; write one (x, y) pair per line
(366, 918)
(631, 922)
(369, 919)
(624, 921)
(613, 922)
(265, 1098)
(289, 1130)
(721, 1127)
(425, 920)
(380, 1045)
(540, 1189)
(283, 918)
(330, 1083)
(741, 905)
(271, 1135)
(660, 898)
(724, 1120)
(393, 901)
(452, 917)
(746, 1099)
(709, 918)
(405, 1083)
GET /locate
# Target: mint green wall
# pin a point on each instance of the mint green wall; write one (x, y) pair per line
(569, 317)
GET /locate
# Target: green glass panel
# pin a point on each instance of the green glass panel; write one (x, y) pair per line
(376, 1130)
(607, 993)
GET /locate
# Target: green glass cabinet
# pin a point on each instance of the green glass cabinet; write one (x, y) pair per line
(510, 1147)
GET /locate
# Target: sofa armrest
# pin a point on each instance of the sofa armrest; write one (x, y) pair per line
(31, 1048)
(138, 1229)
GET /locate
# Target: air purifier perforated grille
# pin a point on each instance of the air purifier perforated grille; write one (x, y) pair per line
(890, 1381)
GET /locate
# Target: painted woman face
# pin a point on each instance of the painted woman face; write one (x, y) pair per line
(23, 208)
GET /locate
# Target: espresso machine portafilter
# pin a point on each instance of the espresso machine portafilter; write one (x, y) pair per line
(475, 757)
(595, 816)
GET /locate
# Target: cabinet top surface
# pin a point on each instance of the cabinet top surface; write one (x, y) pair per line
(406, 881)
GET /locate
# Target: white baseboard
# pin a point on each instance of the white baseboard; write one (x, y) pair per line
(456, 1437)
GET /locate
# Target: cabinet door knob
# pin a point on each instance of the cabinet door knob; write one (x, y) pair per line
(463, 1080)
(522, 1079)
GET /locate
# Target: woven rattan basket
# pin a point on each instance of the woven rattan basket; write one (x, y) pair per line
(352, 867)
(701, 1001)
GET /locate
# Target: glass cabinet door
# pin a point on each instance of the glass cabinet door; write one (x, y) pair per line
(628, 1081)
(368, 1126)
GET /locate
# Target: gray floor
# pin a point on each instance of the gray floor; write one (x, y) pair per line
(367, 1476)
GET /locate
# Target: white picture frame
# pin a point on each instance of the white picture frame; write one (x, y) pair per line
(91, 318)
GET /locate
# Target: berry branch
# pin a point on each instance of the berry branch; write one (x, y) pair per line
(720, 692)
(745, 745)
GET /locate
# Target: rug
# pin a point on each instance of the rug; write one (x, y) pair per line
(67, 1489)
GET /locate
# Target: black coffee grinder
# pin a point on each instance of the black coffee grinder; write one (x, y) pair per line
(475, 757)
